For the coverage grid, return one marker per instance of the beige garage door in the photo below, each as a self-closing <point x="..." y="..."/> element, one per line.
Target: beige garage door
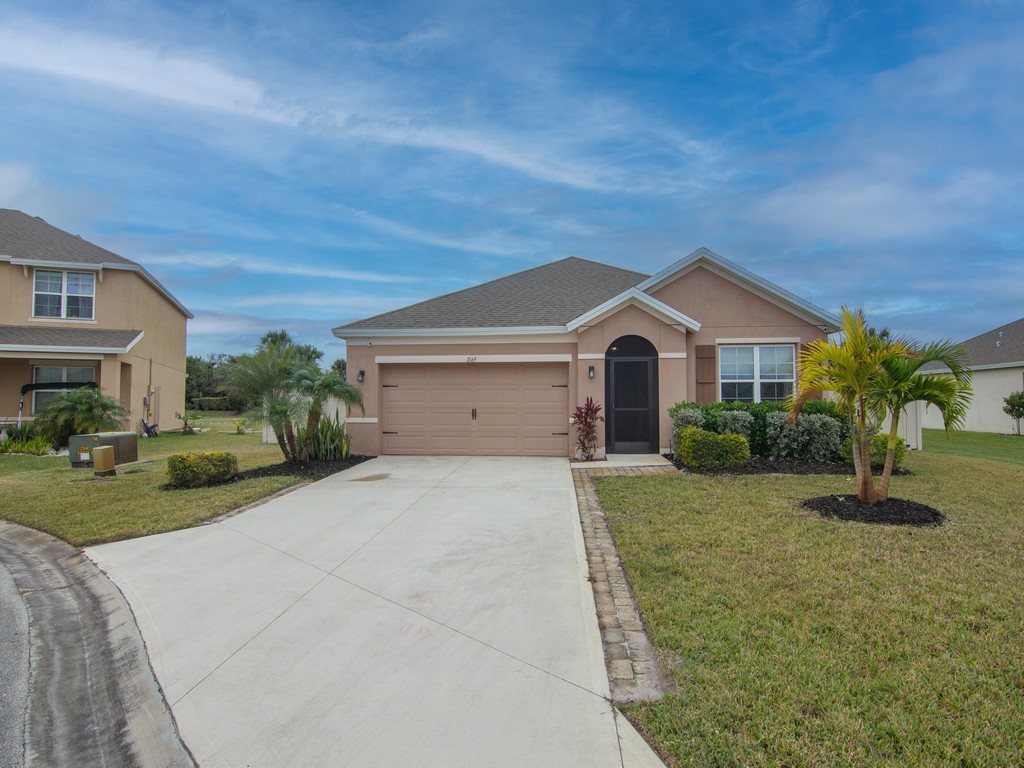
<point x="476" y="409"/>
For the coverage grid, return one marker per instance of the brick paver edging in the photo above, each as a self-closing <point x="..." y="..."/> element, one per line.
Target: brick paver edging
<point x="634" y="670"/>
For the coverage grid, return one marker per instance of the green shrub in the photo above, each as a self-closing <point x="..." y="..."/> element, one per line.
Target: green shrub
<point x="190" y="422"/>
<point x="699" y="449"/>
<point x="684" y="418"/>
<point x="79" y="412"/>
<point x="25" y="432"/>
<point x="819" y="437"/>
<point x="735" y="423"/>
<point x="210" y="403"/>
<point x="783" y="439"/>
<point x="201" y="468"/>
<point x="758" y="438"/>
<point x="878" y="446"/>
<point x="35" y="446"/>
<point x="330" y="441"/>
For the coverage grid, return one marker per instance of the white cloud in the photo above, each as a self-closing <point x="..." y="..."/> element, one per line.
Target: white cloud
<point x="262" y="266"/>
<point x="339" y="301"/>
<point x="178" y="77"/>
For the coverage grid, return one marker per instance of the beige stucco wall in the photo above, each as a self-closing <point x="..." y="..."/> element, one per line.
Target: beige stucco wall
<point x="986" y="411"/>
<point x="124" y="300"/>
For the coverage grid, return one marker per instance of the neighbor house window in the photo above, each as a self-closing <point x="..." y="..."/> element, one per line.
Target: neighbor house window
<point x="756" y="374"/>
<point x="67" y="295"/>
<point x="57" y="375"/>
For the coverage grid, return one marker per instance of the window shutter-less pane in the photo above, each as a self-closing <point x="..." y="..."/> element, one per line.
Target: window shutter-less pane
<point x="707" y="377"/>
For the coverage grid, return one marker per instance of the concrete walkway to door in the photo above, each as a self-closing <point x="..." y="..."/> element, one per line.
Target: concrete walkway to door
<point x="412" y="611"/>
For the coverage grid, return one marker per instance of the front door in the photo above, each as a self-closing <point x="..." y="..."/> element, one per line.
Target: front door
<point x="632" y="396"/>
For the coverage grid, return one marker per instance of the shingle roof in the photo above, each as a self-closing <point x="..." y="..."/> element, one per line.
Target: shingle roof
<point x="43" y="338"/>
<point x="549" y="295"/>
<point x="29" y="237"/>
<point x="1001" y="345"/>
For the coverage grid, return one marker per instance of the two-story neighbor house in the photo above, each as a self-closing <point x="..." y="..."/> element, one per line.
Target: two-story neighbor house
<point x="71" y="311"/>
<point x="497" y="368"/>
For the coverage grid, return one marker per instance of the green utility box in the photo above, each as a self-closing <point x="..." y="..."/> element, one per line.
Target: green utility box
<point x="125" y="445"/>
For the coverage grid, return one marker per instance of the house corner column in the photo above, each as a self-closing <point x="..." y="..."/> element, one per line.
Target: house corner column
<point x="671" y="390"/>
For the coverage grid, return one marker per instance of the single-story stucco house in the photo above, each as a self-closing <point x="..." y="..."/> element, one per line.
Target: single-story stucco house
<point x="73" y="312"/>
<point x="997" y="361"/>
<point x="498" y="368"/>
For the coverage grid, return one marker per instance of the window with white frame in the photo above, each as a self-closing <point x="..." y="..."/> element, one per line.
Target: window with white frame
<point x="65" y="295"/>
<point x="756" y="374"/>
<point x="57" y="375"/>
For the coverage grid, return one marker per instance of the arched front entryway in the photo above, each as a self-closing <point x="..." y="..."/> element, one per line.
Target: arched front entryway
<point x="631" y="392"/>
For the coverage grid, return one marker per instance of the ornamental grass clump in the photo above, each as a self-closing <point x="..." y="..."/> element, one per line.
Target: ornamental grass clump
<point x="699" y="449"/>
<point x="199" y="469"/>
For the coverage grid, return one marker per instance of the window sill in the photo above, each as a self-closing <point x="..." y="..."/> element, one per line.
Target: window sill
<point x="75" y="320"/>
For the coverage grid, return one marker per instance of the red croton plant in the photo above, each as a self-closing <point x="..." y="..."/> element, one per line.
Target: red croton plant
<point x="586" y="418"/>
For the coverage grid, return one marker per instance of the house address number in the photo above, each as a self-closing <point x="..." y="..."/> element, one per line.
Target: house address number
<point x="471" y="359"/>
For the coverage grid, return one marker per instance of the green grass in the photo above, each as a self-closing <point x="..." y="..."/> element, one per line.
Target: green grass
<point x="978" y="445"/>
<point x="48" y="494"/>
<point x="793" y="640"/>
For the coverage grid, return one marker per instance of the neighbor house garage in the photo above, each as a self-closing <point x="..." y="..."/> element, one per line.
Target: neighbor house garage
<point x="497" y="369"/>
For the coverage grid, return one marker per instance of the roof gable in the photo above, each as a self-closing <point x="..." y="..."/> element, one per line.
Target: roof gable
<point x="637" y="298"/>
<point x="30" y="241"/>
<point x="547" y="297"/>
<point x="745" y="278"/>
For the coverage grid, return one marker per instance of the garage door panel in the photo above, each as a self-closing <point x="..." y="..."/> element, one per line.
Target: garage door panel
<point x="518" y="409"/>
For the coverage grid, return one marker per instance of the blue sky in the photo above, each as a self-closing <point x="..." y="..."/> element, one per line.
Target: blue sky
<point x="303" y="164"/>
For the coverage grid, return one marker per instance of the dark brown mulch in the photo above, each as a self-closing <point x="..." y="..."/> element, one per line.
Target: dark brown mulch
<point x="758" y="465"/>
<point x="889" y="512"/>
<point x="307" y="470"/>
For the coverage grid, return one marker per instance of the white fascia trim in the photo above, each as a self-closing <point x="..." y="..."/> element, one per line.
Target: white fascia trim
<point x="590" y="356"/>
<point x="361" y="420"/>
<point x="986" y="367"/>
<point x="551" y="338"/>
<point x="358" y="333"/>
<point x="789" y="340"/>
<point x="391" y="359"/>
<point x="640" y="299"/>
<point x="36" y="349"/>
<point x="815" y="313"/>
<point x="672" y="355"/>
<point x="78" y="267"/>
<point x="134" y="341"/>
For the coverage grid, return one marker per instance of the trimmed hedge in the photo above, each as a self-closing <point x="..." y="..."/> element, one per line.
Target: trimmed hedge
<point x="699" y="449"/>
<point x="815" y="437"/>
<point x="683" y="418"/>
<point x="759" y="445"/>
<point x="210" y="403"/>
<point x="201" y="468"/>
<point x="735" y="423"/>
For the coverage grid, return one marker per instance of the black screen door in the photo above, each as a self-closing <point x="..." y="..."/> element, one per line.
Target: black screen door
<point x="632" y="427"/>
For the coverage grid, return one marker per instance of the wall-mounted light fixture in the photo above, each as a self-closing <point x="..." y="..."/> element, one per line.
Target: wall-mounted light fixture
<point x="361" y="376"/>
<point x="590" y="371"/>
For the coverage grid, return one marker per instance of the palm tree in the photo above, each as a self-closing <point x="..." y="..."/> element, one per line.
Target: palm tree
<point x="869" y="374"/>
<point x="264" y="378"/>
<point x="318" y="388"/>
<point x="901" y="382"/>
<point x="79" y="412"/>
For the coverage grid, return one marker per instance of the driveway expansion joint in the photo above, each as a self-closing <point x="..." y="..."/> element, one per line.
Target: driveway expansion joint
<point x="634" y="668"/>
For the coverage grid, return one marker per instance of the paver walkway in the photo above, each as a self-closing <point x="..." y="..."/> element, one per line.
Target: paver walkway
<point x="428" y="611"/>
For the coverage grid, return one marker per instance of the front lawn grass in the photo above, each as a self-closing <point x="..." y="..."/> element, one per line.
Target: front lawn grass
<point x="48" y="494"/>
<point x="794" y="640"/>
<point x="978" y="445"/>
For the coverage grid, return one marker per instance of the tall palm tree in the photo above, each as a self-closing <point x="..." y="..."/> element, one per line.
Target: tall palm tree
<point x="318" y="387"/>
<point x="264" y="378"/>
<point x="870" y="374"/>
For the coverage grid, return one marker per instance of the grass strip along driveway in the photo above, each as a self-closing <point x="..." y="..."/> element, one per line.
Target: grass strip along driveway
<point x="46" y="493"/>
<point x="795" y="640"/>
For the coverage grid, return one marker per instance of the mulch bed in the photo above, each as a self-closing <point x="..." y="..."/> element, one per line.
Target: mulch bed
<point x="889" y="512"/>
<point x="306" y="470"/>
<point x="758" y="465"/>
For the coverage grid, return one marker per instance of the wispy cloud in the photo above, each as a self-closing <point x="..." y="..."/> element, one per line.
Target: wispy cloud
<point x="241" y="263"/>
<point x="341" y="302"/>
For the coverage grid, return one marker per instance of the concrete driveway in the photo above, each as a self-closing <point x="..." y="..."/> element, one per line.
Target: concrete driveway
<point x="427" y="611"/>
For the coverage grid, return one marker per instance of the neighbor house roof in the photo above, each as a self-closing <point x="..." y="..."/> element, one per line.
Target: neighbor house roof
<point x="562" y="296"/>
<point x="20" y="338"/>
<point x="547" y="296"/>
<point x="999" y="348"/>
<point x="29" y="240"/>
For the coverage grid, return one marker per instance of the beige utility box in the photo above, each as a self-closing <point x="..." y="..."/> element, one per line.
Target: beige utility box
<point x="103" y="460"/>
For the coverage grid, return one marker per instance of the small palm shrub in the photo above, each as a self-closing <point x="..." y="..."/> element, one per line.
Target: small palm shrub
<point x="201" y="468"/>
<point x="190" y="422"/>
<point x="735" y="423"/>
<point x="699" y="449"/>
<point x="586" y="419"/>
<point x="79" y="412"/>
<point x="330" y="441"/>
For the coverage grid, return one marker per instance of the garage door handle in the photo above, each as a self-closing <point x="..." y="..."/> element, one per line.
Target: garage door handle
<point x="560" y="433"/>
<point x="474" y="413"/>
